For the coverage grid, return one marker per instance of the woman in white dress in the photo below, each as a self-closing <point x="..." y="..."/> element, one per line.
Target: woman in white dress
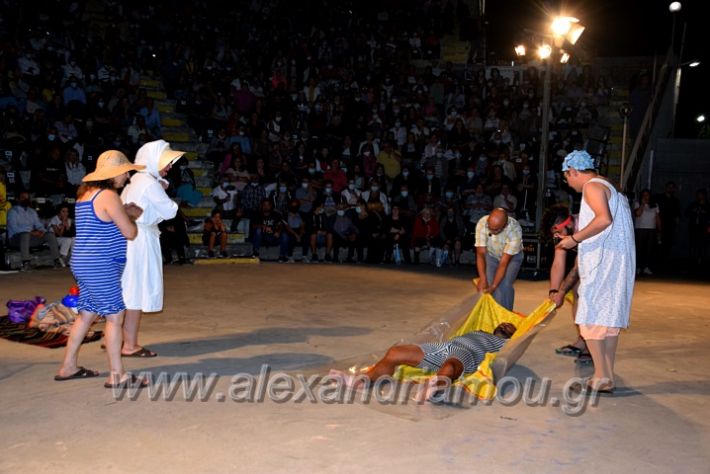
<point x="143" y="277"/>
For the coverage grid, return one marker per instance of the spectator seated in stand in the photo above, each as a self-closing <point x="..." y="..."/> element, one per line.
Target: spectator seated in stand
<point x="215" y="233"/>
<point x="62" y="225"/>
<point x="267" y="229"/>
<point x="25" y="230"/>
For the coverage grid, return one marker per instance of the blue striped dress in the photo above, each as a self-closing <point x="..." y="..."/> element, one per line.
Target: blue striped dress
<point x="98" y="259"/>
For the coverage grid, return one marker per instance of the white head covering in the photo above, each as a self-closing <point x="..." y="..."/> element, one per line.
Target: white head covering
<point x="155" y="156"/>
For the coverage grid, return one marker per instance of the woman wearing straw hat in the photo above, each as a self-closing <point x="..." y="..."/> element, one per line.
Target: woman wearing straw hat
<point x="143" y="277"/>
<point x="103" y="224"/>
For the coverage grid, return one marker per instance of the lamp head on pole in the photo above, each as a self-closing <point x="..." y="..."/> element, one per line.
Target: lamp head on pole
<point x="675" y="7"/>
<point x="544" y="51"/>
<point x="520" y="50"/>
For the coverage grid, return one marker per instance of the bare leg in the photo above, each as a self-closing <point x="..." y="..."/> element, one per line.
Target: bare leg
<point x="131" y="324"/>
<point x="451" y="369"/>
<point x="409" y="354"/>
<point x="610" y="345"/>
<point x="602" y="377"/>
<point x="78" y="332"/>
<point x="210" y="245"/>
<point x="114" y="338"/>
<point x="223" y="242"/>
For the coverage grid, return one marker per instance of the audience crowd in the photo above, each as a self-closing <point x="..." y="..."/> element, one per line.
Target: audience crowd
<point x="341" y="129"/>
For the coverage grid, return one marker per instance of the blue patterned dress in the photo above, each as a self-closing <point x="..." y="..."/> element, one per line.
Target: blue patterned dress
<point x="98" y="259"/>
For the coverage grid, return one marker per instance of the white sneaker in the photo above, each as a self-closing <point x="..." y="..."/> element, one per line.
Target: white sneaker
<point x="647" y="271"/>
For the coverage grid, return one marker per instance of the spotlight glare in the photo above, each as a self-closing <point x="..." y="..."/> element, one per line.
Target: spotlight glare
<point x="700" y="118"/>
<point x="674" y="7"/>
<point x="544" y="51"/>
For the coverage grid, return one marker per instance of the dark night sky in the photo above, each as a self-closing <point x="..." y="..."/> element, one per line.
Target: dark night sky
<point x="619" y="28"/>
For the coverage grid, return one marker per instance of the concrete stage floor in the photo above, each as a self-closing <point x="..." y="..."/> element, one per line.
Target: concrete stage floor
<point x="229" y="319"/>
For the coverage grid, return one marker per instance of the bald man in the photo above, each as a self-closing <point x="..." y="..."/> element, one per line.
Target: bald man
<point x="499" y="254"/>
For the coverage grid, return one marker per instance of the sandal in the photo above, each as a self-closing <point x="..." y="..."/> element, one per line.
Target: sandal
<point x="584" y="358"/>
<point x="82" y="373"/>
<point x="586" y="389"/>
<point x="131" y="382"/>
<point x="568" y="350"/>
<point x="142" y="352"/>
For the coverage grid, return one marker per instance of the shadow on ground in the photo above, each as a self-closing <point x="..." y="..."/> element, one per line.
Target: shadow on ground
<point x="259" y="337"/>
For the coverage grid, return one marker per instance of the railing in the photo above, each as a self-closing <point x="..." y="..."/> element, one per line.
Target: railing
<point x="635" y="159"/>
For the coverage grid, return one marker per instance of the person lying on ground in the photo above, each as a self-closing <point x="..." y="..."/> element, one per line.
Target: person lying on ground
<point x="450" y="360"/>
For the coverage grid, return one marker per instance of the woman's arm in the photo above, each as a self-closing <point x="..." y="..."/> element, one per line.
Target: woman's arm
<point x="112" y="206"/>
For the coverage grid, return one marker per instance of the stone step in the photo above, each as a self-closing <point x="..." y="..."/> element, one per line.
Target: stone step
<point x="156" y="94"/>
<point x="177" y="137"/>
<point x="198" y="212"/>
<point x="205" y="190"/>
<point x="166" y="121"/>
<point x="233" y="238"/>
<point x="204" y="181"/>
<point x="149" y="82"/>
<point x="199" y="163"/>
<point x="164" y="107"/>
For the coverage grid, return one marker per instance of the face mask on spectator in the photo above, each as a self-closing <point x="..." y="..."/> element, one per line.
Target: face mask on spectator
<point x="366" y="153"/>
<point x="405" y="173"/>
<point x="358" y="210"/>
<point x="449" y="194"/>
<point x="225" y="184"/>
<point x="254" y="184"/>
<point x="340" y="212"/>
<point x="429" y="177"/>
<point x="311" y="170"/>
<point x="328" y="190"/>
<point x="73" y="84"/>
<point x="526" y="172"/>
<point x="404" y="194"/>
<point x="304" y="185"/>
<point x="470" y="174"/>
<point x="282" y="189"/>
<point x="51" y="137"/>
<point x="375" y="188"/>
<point x="351" y="186"/>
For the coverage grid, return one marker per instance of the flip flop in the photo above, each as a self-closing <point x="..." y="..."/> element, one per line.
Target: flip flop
<point x="588" y="390"/>
<point x="568" y="350"/>
<point x="584" y="358"/>
<point x="130" y="382"/>
<point x="82" y="373"/>
<point x="142" y="352"/>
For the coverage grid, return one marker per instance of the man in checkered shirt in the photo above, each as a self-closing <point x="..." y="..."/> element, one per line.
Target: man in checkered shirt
<point x="499" y="254"/>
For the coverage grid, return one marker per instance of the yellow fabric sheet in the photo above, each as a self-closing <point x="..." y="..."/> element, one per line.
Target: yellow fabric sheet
<point x="485" y="316"/>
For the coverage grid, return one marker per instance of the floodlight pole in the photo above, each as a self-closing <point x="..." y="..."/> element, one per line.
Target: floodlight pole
<point x="541" y="176"/>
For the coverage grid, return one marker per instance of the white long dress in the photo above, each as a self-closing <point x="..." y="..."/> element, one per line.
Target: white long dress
<point x="607" y="264"/>
<point x="142" y="280"/>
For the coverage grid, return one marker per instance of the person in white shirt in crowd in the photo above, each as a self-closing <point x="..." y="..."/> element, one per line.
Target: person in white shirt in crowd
<point x="25" y="230"/>
<point x="63" y="228"/>
<point x="75" y="170"/>
<point x="647" y="228"/>
<point x="506" y="200"/>
<point x="225" y="197"/>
